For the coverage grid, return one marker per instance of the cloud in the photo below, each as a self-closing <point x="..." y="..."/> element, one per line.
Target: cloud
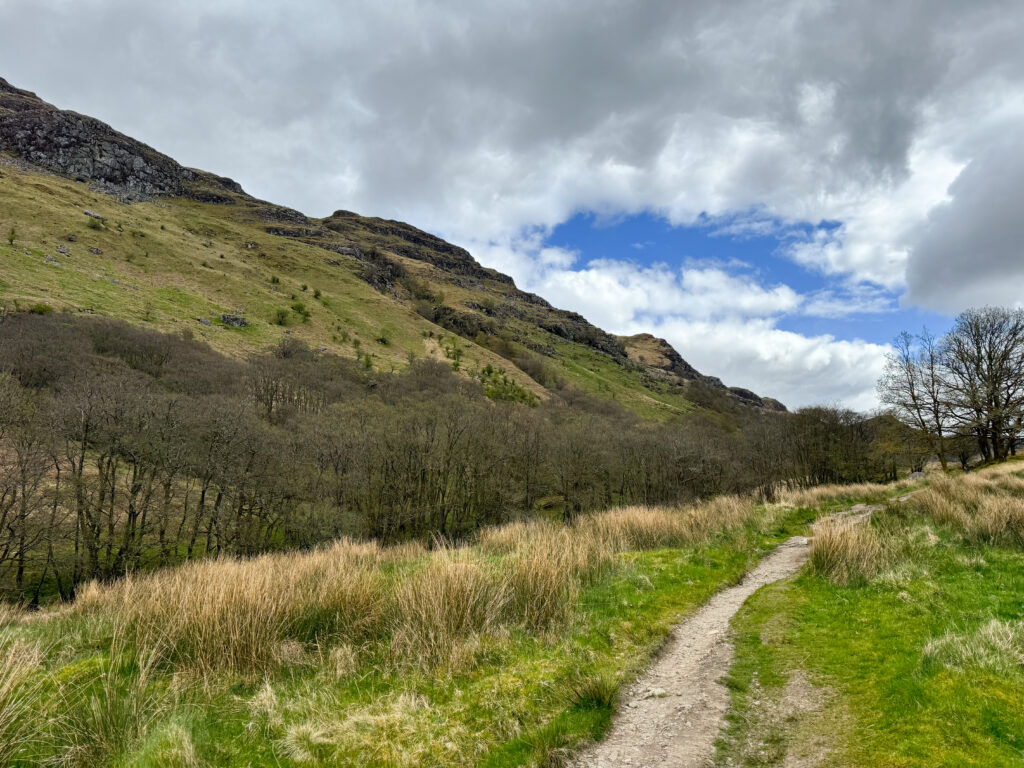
<point x="721" y="322"/>
<point x="791" y="367"/>
<point x="970" y="250"/>
<point x="490" y="122"/>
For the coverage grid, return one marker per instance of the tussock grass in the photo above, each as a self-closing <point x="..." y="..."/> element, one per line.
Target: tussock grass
<point x="455" y="598"/>
<point x="424" y="608"/>
<point x="997" y="646"/>
<point x="1000" y="521"/>
<point x="985" y="507"/>
<point x="828" y="494"/>
<point x="845" y="552"/>
<point x="19" y="683"/>
<point x="237" y="614"/>
<point x="9" y="615"/>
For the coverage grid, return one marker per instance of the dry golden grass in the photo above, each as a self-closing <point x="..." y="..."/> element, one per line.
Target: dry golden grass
<point x="845" y="552"/>
<point x="426" y="608"/>
<point x="985" y="506"/>
<point x="825" y="494"/>
<point x="237" y="614"/>
<point x="19" y="663"/>
<point x="1000" y="520"/>
<point x="9" y="614"/>
<point x="456" y="597"/>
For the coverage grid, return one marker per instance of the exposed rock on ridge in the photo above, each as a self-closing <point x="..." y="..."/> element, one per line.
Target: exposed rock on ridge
<point x="661" y="360"/>
<point x="87" y="149"/>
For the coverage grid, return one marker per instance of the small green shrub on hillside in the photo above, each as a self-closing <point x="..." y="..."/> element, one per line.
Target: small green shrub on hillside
<point x="11" y="236"/>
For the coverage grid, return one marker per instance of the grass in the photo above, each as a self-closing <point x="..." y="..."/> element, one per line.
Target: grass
<point x="507" y="651"/>
<point x="904" y="633"/>
<point x="845" y="552"/>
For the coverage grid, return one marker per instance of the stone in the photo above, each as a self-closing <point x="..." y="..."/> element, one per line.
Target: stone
<point x="93" y="215"/>
<point x="96" y="251"/>
<point x="202" y="320"/>
<point x="235" y="321"/>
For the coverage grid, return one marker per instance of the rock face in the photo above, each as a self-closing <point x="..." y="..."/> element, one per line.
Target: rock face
<point x="406" y="240"/>
<point x="87" y="149"/>
<point x="661" y="360"/>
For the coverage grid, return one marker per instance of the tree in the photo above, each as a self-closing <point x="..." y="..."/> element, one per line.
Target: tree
<point x="913" y="386"/>
<point x="983" y="358"/>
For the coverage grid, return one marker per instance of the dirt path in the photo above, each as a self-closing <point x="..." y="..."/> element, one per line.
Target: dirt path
<point x="671" y="716"/>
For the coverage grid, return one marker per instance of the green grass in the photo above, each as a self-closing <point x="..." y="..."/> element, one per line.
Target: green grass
<point x="877" y="696"/>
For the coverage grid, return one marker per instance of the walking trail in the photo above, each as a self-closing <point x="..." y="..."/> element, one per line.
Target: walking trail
<point x="671" y="716"/>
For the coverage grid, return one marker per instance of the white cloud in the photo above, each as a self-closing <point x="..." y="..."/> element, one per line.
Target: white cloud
<point x="721" y="322"/>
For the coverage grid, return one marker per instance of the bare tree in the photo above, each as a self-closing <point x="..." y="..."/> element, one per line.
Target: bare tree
<point x="983" y="356"/>
<point x="913" y="386"/>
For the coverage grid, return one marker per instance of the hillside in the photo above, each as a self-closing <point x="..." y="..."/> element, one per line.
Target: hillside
<point x="101" y="223"/>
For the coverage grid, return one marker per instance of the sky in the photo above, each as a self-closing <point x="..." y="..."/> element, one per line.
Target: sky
<point x="777" y="187"/>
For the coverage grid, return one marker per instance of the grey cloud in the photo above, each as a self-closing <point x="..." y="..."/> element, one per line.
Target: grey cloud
<point x="394" y="96"/>
<point x="970" y="251"/>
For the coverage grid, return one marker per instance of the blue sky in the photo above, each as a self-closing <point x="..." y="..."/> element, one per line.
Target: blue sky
<point x="647" y="239"/>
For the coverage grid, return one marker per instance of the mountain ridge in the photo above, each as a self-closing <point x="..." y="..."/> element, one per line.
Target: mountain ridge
<point x="440" y="281"/>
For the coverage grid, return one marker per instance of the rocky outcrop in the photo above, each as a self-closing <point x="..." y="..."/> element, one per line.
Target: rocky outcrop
<point x="660" y="359"/>
<point x="88" y="149"/>
<point x="412" y="243"/>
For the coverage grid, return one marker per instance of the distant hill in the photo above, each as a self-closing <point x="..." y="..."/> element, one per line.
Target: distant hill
<point x="102" y="223"/>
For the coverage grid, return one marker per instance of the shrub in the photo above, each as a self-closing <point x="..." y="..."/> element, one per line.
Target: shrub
<point x="11" y="236"/>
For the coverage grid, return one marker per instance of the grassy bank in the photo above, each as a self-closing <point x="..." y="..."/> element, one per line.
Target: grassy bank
<point x="900" y="645"/>
<point x="506" y="652"/>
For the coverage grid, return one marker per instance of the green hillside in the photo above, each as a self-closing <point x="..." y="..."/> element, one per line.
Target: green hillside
<point x="181" y="250"/>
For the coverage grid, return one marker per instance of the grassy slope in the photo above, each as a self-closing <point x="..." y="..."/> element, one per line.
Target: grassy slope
<point x="856" y="656"/>
<point x="166" y="263"/>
